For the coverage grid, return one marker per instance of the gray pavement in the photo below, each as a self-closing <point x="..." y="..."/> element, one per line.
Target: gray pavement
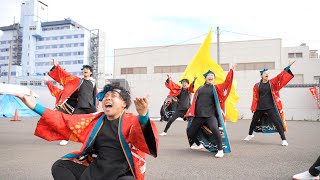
<point x="27" y="157"/>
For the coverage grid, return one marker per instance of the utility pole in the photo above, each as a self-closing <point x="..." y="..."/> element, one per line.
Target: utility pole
<point x="10" y="53"/>
<point x="218" y="45"/>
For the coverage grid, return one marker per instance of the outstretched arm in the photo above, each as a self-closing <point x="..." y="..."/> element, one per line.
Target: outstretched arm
<point x="225" y="87"/>
<point x="144" y="135"/>
<point x="54" y="90"/>
<point x="60" y="75"/>
<point x="191" y="87"/>
<point x="283" y="78"/>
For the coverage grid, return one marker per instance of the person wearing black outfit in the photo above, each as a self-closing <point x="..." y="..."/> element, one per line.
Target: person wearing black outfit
<point x="205" y="111"/>
<point x="80" y="96"/>
<point x="114" y="143"/>
<point x="266" y="102"/>
<point x="184" y="99"/>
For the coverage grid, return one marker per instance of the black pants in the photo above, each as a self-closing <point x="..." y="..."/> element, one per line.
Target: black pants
<point x="271" y="116"/>
<point x="179" y="113"/>
<point x="313" y="171"/>
<point x="211" y="123"/>
<point x="68" y="170"/>
<point x="84" y="110"/>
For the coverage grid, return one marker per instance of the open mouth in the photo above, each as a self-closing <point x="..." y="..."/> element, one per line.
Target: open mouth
<point x="108" y="106"/>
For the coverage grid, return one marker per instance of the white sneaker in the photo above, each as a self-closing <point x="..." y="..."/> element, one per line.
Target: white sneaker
<point x="305" y="175"/>
<point x="249" y="137"/>
<point x="284" y="143"/>
<point x="196" y="147"/>
<point x="63" y="142"/>
<point x="163" y="134"/>
<point x="219" y="154"/>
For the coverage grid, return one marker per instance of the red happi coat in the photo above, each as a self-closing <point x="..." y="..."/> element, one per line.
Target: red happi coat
<point x="222" y="90"/>
<point x="83" y="128"/>
<point x="175" y="89"/>
<point x="276" y="84"/>
<point x="55" y="91"/>
<point x="69" y="82"/>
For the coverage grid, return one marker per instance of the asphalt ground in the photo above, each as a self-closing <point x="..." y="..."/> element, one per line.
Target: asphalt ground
<point x="27" y="157"/>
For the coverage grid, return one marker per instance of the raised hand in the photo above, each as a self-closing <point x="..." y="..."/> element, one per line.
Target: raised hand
<point x="291" y="62"/>
<point x="55" y="62"/>
<point x="195" y="78"/>
<point x="142" y="105"/>
<point x="233" y="66"/>
<point x="168" y="75"/>
<point x="30" y="100"/>
<point x="46" y="78"/>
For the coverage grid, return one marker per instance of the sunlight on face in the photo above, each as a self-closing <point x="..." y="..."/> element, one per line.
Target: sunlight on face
<point x="113" y="105"/>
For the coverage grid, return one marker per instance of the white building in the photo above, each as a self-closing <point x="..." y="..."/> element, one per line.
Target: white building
<point x="31" y="45"/>
<point x="146" y="70"/>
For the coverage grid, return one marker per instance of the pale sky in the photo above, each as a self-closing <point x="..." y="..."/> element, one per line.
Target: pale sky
<point x="151" y="23"/>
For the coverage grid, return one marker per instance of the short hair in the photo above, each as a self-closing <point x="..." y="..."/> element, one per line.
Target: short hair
<point x="125" y="94"/>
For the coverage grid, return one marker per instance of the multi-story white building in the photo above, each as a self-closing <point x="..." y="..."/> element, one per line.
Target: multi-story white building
<point x="146" y="70"/>
<point x="27" y="48"/>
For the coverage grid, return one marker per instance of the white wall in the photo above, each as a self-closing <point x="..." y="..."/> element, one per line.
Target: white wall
<point x="231" y="52"/>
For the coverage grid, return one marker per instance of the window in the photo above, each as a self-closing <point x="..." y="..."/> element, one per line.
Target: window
<point x="23" y="83"/>
<point x="316" y="79"/>
<point x="298" y="55"/>
<point x="67" y="54"/>
<point x="169" y="69"/>
<point x="255" y="66"/>
<point x="81" y="35"/>
<point x="35" y="83"/>
<point x="75" y="36"/>
<point x="67" y="62"/>
<point x="134" y="70"/>
<point x="55" y="46"/>
<point x="295" y="55"/>
<point x="60" y="54"/>
<point x="81" y="44"/>
<point x="68" y="45"/>
<point x="55" y="38"/>
<point x="225" y="67"/>
<point x="69" y="36"/>
<point x="54" y="54"/>
<point x="61" y="45"/>
<point x="298" y="79"/>
<point x="75" y="45"/>
<point x="61" y="37"/>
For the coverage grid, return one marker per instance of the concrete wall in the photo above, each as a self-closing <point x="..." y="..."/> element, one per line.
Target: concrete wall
<point x="231" y="52"/>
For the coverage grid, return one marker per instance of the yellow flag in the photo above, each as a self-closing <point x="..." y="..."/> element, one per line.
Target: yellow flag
<point x="200" y="64"/>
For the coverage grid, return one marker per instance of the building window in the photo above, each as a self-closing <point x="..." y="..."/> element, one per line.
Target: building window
<point x="225" y="67"/>
<point x="298" y="79"/>
<point x="75" y="36"/>
<point x="81" y="44"/>
<point x="170" y="69"/>
<point x="299" y="55"/>
<point x="61" y="45"/>
<point x="316" y="79"/>
<point x="61" y="37"/>
<point x="134" y="70"/>
<point x="69" y="36"/>
<point x="23" y="83"/>
<point x="255" y="66"/>
<point x="55" y="38"/>
<point x="81" y="35"/>
<point x="295" y="55"/>
<point x="68" y="45"/>
<point x="75" y="45"/>
<point x="35" y="83"/>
